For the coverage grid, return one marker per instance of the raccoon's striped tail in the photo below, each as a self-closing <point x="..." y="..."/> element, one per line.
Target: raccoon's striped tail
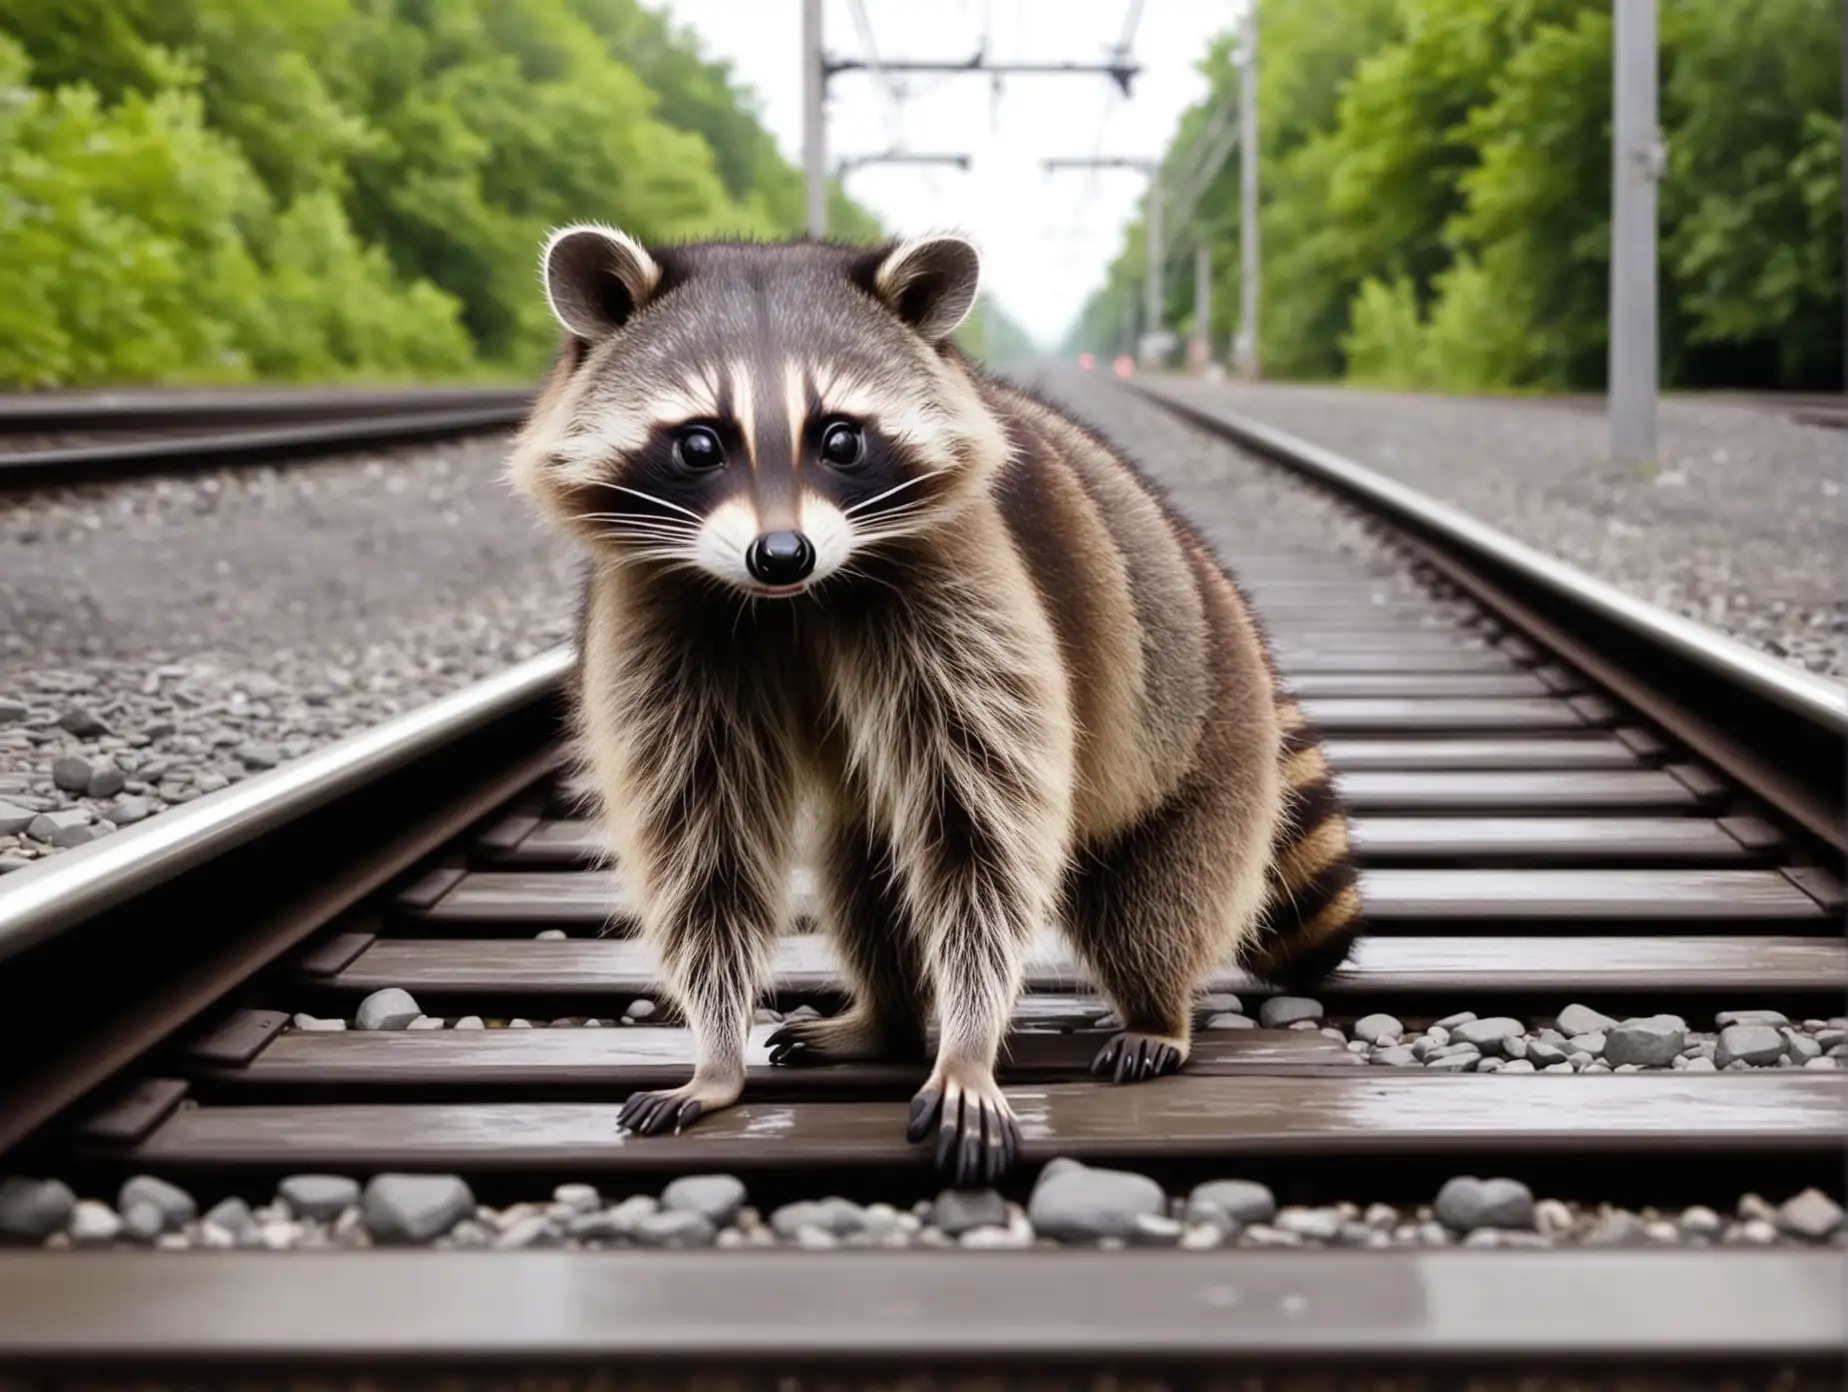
<point x="1312" y="915"/>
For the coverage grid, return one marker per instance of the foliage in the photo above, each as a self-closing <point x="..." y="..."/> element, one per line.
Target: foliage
<point x="990" y="335"/>
<point x="1436" y="184"/>
<point x="323" y="188"/>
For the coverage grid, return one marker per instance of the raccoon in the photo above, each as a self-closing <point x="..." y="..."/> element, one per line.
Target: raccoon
<point x="840" y="578"/>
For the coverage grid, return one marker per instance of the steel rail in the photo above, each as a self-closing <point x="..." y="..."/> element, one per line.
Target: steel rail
<point x="43" y="899"/>
<point x="84" y="463"/>
<point x="1817" y="699"/>
<point x="167" y="408"/>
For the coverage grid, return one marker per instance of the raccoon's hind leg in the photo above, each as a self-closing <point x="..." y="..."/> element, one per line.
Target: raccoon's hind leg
<point x="1153" y="909"/>
<point x="865" y="915"/>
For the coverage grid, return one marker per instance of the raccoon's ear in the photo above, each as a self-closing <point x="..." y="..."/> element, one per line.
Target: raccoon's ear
<point x="595" y="278"/>
<point x="929" y="282"/>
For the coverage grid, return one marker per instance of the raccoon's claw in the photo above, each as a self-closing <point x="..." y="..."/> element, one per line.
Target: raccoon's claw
<point x="1129" y="1057"/>
<point x="651" y="1113"/>
<point x="978" y="1137"/>
<point x="788" y="1045"/>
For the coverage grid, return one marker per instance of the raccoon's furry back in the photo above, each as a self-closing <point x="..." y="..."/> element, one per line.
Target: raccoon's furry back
<point x="1312" y="913"/>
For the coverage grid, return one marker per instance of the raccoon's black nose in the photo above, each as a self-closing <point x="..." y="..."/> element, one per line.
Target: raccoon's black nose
<point x="780" y="558"/>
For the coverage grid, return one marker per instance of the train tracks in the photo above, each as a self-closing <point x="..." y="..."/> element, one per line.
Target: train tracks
<point x="1563" y="799"/>
<point x="56" y="439"/>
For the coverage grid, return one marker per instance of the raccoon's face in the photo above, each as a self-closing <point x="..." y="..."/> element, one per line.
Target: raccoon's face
<point x="762" y="414"/>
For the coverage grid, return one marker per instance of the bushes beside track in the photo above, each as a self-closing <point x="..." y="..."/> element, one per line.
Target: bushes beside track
<point x="1436" y="187"/>
<point x="228" y="190"/>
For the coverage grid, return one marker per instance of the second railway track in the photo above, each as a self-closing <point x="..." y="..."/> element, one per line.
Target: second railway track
<point x="1550" y="812"/>
<point x="59" y="439"/>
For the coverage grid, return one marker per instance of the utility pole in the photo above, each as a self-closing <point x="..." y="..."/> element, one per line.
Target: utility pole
<point x="1200" y="350"/>
<point x="1637" y="161"/>
<point x="1247" y="351"/>
<point x="814" y="119"/>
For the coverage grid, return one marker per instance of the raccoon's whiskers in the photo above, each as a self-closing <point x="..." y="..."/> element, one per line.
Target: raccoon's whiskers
<point x="658" y="502"/>
<point x="896" y="488"/>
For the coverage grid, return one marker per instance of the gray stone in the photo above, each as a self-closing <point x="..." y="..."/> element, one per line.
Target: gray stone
<point x="1460" y="1049"/>
<point x="1590" y="1045"/>
<point x="141" y="1222"/>
<point x="716" y="1197"/>
<point x="1520" y="1065"/>
<point x="1800" y="1047"/>
<point x="1582" y="1019"/>
<point x="1323" y="1224"/>
<point x="640" y="1009"/>
<point x="234" y="1217"/>
<point x="257" y="755"/>
<point x="1455" y="1063"/>
<point x="1450" y="1022"/>
<point x="1398" y="1056"/>
<point x="675" y="1228"/>
<point x="389" y="1009"/>
<point x="94" y="1224"/>
<point x="956" y="1211"/>
<point x="1244" y="1200"/>
<point x="55" y="828"/>
<point x="1280" y="1011"/>
<point x="1229" y="1021"/>
<point x="1378" y="1029"/>
<point x="1466" y="1203"/>
<point x="1156" y="1230"/>
<point x="14" y="818"/>
<point x="414" y="1207"/>
<point x="33" y="1209"/>
<point x="1058" y="1165"/>
<point x="1087" y="1204"/>
<point x="83" y="723"/>
<point x="1749" y="1017"/>
<point x="318" y="1196"/>
<point x="175" y="1206"/>
<point x="1755" y="1044"/>
<point x="1701" y="1065"/>
<point x="1652" y="1042"/>
<point x="1219" y="1003"/>
<point x="106" y="782"/>
<point x="71" y="772"/>
<point x="1812" y="1215"/>
<point x="577" y="1198"/>
<point x="1616" y="1228"/>
<point x="1698" y="1220"/>
<point x="530" y="1232"/>
<point x="11" y="710"/>
<point x="1204" y="1213"/>
<point x="836" y="1217"/>
<point x="130" y="810"/>
<point x="1487" y="1034"/>
<point x="313" y="1023"/>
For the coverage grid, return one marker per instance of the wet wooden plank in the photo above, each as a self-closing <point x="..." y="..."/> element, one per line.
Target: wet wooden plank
<point x="1600" y="965"/>
<point x="1564" y="1317"/>
<point x="1294" y="662"/>
<point x="1637" y="791"/>
<point x="1462" y="715"/>
<point x="1370" y="1112"/>
<point x="1587" y="750"/>
<point x="1378" y="840"/>
<point x="634" y="1057"/>
<point x="587" y="899"/>
<point x="1419" y="685"/>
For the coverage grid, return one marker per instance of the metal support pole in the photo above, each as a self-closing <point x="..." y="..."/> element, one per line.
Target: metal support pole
<point x="1201" y="348"/>
<point x="814" y="120"/>
<point x="1248" y="197"/>
<point x="1636" y="165"/>
<point x="1151" y="314"/>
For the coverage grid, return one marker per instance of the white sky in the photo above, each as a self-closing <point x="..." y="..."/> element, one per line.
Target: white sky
<point x="1045" y="238"/>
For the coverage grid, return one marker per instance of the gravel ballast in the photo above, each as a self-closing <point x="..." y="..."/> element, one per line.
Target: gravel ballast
<point x="164" y="638"/>
<point x="1738" y="523"/>
<point x="1071" y="1205"/>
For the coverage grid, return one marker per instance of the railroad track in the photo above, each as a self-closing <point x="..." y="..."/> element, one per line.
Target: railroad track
<point x="55" y="439"/>
<point x="1563" y="798"/>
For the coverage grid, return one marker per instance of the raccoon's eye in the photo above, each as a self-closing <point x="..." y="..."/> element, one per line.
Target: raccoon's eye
<point x="842" y="445"/>
<point x="698" y="448"/>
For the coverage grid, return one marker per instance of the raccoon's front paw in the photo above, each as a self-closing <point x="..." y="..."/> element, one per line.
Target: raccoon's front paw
<point x="651" y="1113"/>
<point x="1131" y="1056"/>
<point x="852" y="1036"/>
<point x="978" y="1136"/>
